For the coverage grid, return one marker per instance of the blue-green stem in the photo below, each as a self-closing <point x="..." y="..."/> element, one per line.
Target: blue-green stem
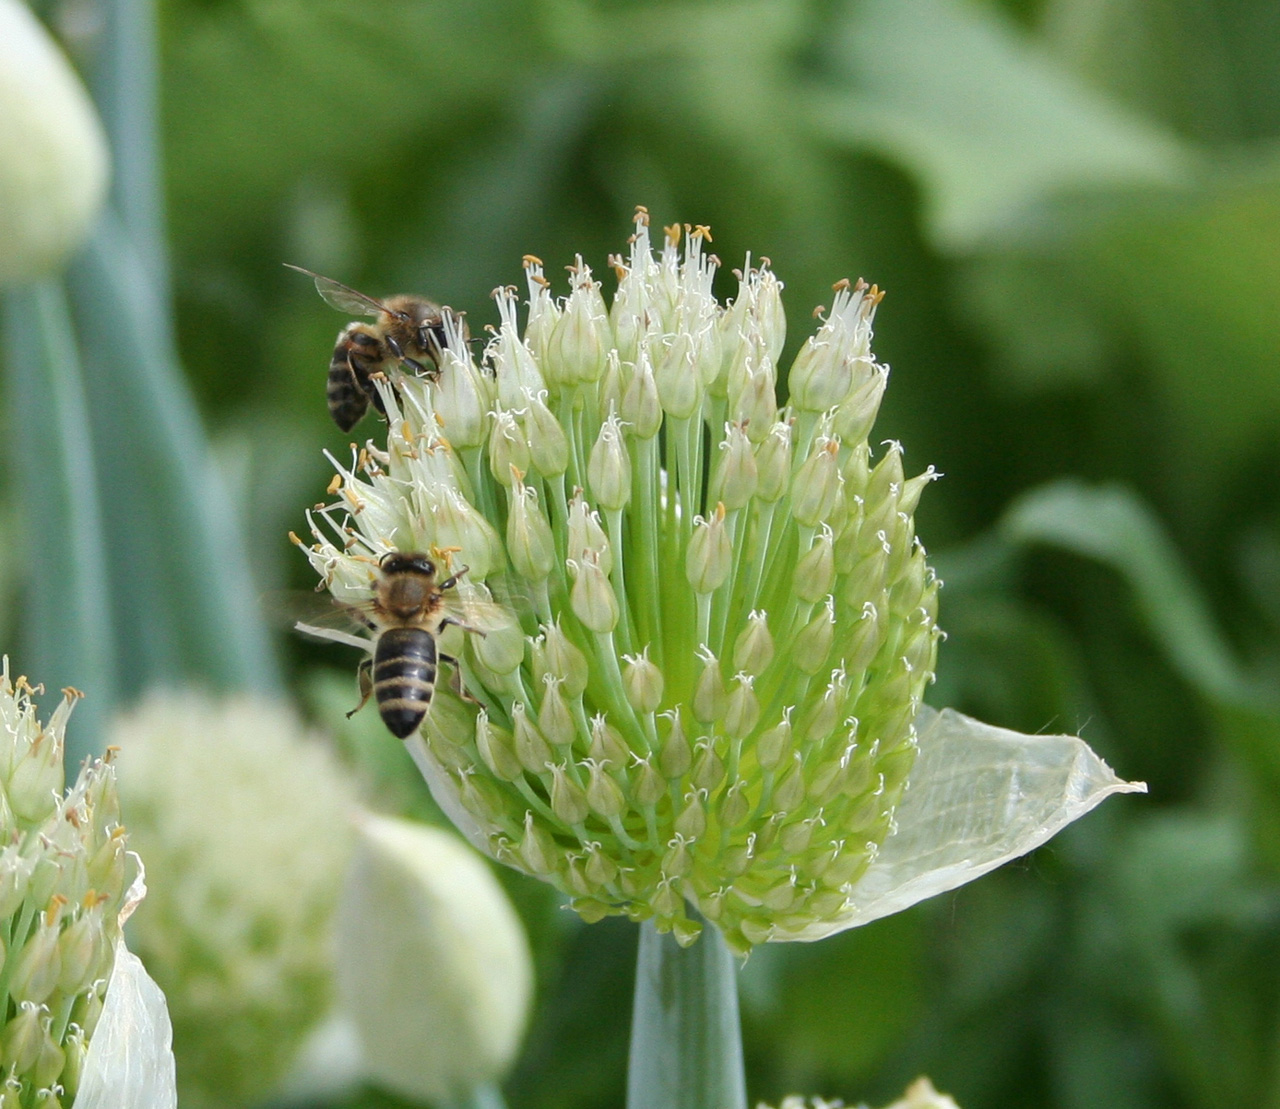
<point x="487" y="1096"/>
<point x="68" y="634"/>
<point x="686" y="1036"/>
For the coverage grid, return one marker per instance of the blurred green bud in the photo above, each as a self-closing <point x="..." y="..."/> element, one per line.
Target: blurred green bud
<point x="643" y="682"/>
<point x="433" y="966"/>
<point x="53" y="180"/>
<point x="710" y="556"/>
<point x="609" y="468"/>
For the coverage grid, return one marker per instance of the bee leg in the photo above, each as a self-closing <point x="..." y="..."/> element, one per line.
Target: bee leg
<point x="455" y="682"/>
<point x="465" y="627"/>
<point x="449" y="583"/>
<point x="364" y="675"/>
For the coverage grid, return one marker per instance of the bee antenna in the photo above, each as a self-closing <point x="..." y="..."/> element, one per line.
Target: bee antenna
<point x="454" y="580"/>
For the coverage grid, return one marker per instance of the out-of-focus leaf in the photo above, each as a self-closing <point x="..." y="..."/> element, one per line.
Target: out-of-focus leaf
<point x="62" y="546"/>
<point x="992" y="124"/>
<point x="1207" y="67"/>
<point x="1110" y="524"/>
<point x="182" y="592"/>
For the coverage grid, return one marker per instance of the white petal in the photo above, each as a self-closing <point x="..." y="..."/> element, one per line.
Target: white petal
<point x="977" y="797"/>
<point x="130" y="1060"/>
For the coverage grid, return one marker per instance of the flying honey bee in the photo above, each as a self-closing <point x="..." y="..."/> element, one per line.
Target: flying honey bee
<point x="407" y="612"/>
<point x="407" y="330"/>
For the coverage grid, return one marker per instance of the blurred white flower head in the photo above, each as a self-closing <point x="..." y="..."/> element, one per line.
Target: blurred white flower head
<point x="243" y="817"/>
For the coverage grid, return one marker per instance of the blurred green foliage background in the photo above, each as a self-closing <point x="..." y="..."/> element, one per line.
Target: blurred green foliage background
<point x="1075" y="208"/>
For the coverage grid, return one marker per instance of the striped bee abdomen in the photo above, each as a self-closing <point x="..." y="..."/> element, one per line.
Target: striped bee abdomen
<point x="404" y="677"/>
<point x="349" y="389"/>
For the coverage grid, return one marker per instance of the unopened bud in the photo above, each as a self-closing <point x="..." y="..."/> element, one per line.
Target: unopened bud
<point x="459" y="401"/>
<point x="531" y="749"/>
<point x="554" y="718"/>
<point x="582" y="335"/>
<point x="816" y="569"/>
<point x="497" y="749"/>
<point x="642" y="681"/>
<point x="568" y="801"/>
<point x="641" y="406"/>
<point x="508" y="447"/>
<point x="679" y="386"/>
<point x="735" y="478"/>
<point x="774" y="745"/>
<point x="753" y="649"/>
<point x="529" y="541"/>
<point x="816" y="485"/>
<point x="856" y="414"/>
<point x="676" y="756"/>
<point x="812" y="646"/>
<point x="709" y="557"/>
<point x="592" y="596"/>
<point x="548" y="447"/>
<point x="603" y="794"/>
<point x="564" y="659"/>
<point x="586" y="534"/>
<point x="609" y="468"/>
<point x="773" y="464"/>
<point x="501" y="648"/>
<point x="709" y="700"/>
<point x="742" y="709"/>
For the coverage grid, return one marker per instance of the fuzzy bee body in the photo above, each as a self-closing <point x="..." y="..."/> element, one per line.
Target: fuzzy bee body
<point x="407" y="331"/>
<point x="404" y="678"/>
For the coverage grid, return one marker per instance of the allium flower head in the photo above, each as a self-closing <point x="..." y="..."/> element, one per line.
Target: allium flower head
<point x="242" y="817"/>
<point x="721" y="619"/>
<point x="65" y="882"/>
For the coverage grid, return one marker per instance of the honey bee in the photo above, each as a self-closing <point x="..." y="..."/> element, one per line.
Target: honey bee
<point x="407" y="330"/>
<point x="408" y="611"/>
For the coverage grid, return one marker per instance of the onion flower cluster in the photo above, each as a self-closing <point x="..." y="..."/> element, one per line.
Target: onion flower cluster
<point x="717" y="622"/>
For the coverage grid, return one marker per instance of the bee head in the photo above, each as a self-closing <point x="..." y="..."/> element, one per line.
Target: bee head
<point x="401" y="562"/>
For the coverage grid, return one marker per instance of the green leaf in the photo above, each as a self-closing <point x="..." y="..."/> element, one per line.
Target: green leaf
<point x="182" y="592"/>
<point x="1110" y="524"/>
<point x="62" y="550"/>
<point x="990" y="123"/>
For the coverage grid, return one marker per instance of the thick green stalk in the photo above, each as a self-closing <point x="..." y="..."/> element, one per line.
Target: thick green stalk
<point x="686" y="1037"/>
<point x="68" y="635"/>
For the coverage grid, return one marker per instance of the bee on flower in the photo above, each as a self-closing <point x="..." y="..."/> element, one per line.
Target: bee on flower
<point x="707" y="696"/>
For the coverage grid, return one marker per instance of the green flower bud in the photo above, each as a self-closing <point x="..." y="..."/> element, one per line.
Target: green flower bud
<point x="605" y="799"/>
<point x="709" y="701"/>
<point x="641" y="406"/>
<point x="734" y="480"/>
<point x="774" y="745"/>
<point x="586" y="535"/>
<point x="508" y="448"/>
<point x="564" y="660"/>
<point x="592" y="596"/>
<point x="529" y="542"/>
<point x="531" y="749"/>
<point x="812" y="646"/>
<point x="497" y="748"/>
<point x="816" y="570"/>
<point x="773" y="464"/>
<point x="609" y="469"/>
<point x="753" y="649"/>
<point x="568" y="801"/>
<point x="816" y="486"/>
<point x="581" y="338"/>
<point x="679" y="386"/>
<point x="643" y="682"/>
<point x="554" y="718"/>
<point x="742" y="709"/>
<point x="676" y="756"/>
<point x="515" y="369"/>
<point x="548" y="447"/>
<point x="710" y="557"/>
<point x="857" y="412"/>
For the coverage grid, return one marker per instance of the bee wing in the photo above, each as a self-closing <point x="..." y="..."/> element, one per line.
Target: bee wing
<point x="343" y="297"/>
<point x="321" y="617"/>
<point x="475" y="608"/>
